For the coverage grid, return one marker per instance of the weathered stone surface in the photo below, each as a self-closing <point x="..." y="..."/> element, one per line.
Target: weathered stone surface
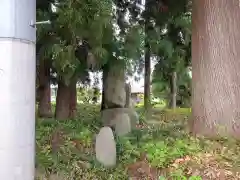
<point x="109" y="116"/>
<point x="128" y="95"/>
<point x="123" y="124"/>
<point x="132" y="104"/>
<point x="133" y="114"/>
<point x="134" y="117"/>
<point x="114" y="90"/>
<point x="105" y="147"/>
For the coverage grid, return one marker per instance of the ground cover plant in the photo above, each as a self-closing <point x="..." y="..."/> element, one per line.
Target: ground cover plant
<point x="159" y="149"/>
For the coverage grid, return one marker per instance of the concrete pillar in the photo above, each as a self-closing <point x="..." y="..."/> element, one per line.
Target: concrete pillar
<point x="17" y="89"/>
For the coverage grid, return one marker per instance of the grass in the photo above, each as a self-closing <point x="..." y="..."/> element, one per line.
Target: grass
<point x="159" y="150"/>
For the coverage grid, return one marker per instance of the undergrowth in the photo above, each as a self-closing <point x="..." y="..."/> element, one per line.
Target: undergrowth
<point x="66" y="149"/>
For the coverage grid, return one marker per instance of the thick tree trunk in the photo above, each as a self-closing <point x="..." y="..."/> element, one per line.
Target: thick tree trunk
<point x="147" y="79"/>
<point x="73" y="101"/>
<point x="216" y="68"/>
<point x="104" y="81"/>
<point x="63" y="102"/>
<point x="174" y="90"/>
<point x="44" y="90"/>
<point x="44" y="108"/>
<point x="102" y="102"/>
<point x="128" y="95"/>
<point x="147" y="64"/>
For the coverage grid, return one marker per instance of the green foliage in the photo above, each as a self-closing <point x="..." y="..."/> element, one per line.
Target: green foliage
<point x="64" y="61"/>
<point x="163" y="11"/>
<point x="68" y="146"/>
<point x="173" y="53"/>
<point x="95" y="22"/>
<point x="161" y="85"/>
<point x="161" y="154"/>
<point x="87" y="95"/>
<point x="72" y="23"/>
<point x="134" y="42"/>
<point x="82" y="18"/>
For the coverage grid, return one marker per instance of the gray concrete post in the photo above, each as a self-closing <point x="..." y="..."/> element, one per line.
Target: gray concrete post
<point x="17" y="89"/>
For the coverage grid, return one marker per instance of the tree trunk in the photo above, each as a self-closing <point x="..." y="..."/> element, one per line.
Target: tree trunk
<point x="128" y="95"/>
<point x="147" y="81"/>
<point x="44" y="90"/>
<point x="73" y="101"/>
<point x="104" y="81"/>
<point x="147" y="74"/>
<point x="63" y="101"/>
<point x="174" y="90"/>
<point x="102" y="102"/>
<point x="216" y="68"/>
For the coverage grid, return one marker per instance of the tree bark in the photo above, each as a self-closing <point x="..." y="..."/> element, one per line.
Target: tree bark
<point x="174" y="90"/>
<point x="63" y="101"/>
<point x="104" y="81"/>
<point x="128" y="95"/>
<point x="44" y="90"/>
<point x="147" y="64"/>
<point x="147" y="81"/>
<point x="73" y="101"/>
<point x="216" y="68"/>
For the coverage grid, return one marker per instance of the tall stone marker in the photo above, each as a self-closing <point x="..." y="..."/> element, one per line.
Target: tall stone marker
<point x="105" y="147"/>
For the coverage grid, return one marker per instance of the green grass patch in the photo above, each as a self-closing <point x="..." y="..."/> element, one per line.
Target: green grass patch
<point x="165" y="149"/>
<point x="178" y="110"/>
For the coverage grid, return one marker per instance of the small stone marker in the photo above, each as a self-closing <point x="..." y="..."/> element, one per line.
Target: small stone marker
<point x="105" y="147"/>
<point x="123" y="124"/>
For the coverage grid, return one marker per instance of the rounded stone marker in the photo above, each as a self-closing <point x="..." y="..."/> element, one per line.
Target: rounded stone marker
<point x="123" y="124"/>
<point x="105" y="147"/>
